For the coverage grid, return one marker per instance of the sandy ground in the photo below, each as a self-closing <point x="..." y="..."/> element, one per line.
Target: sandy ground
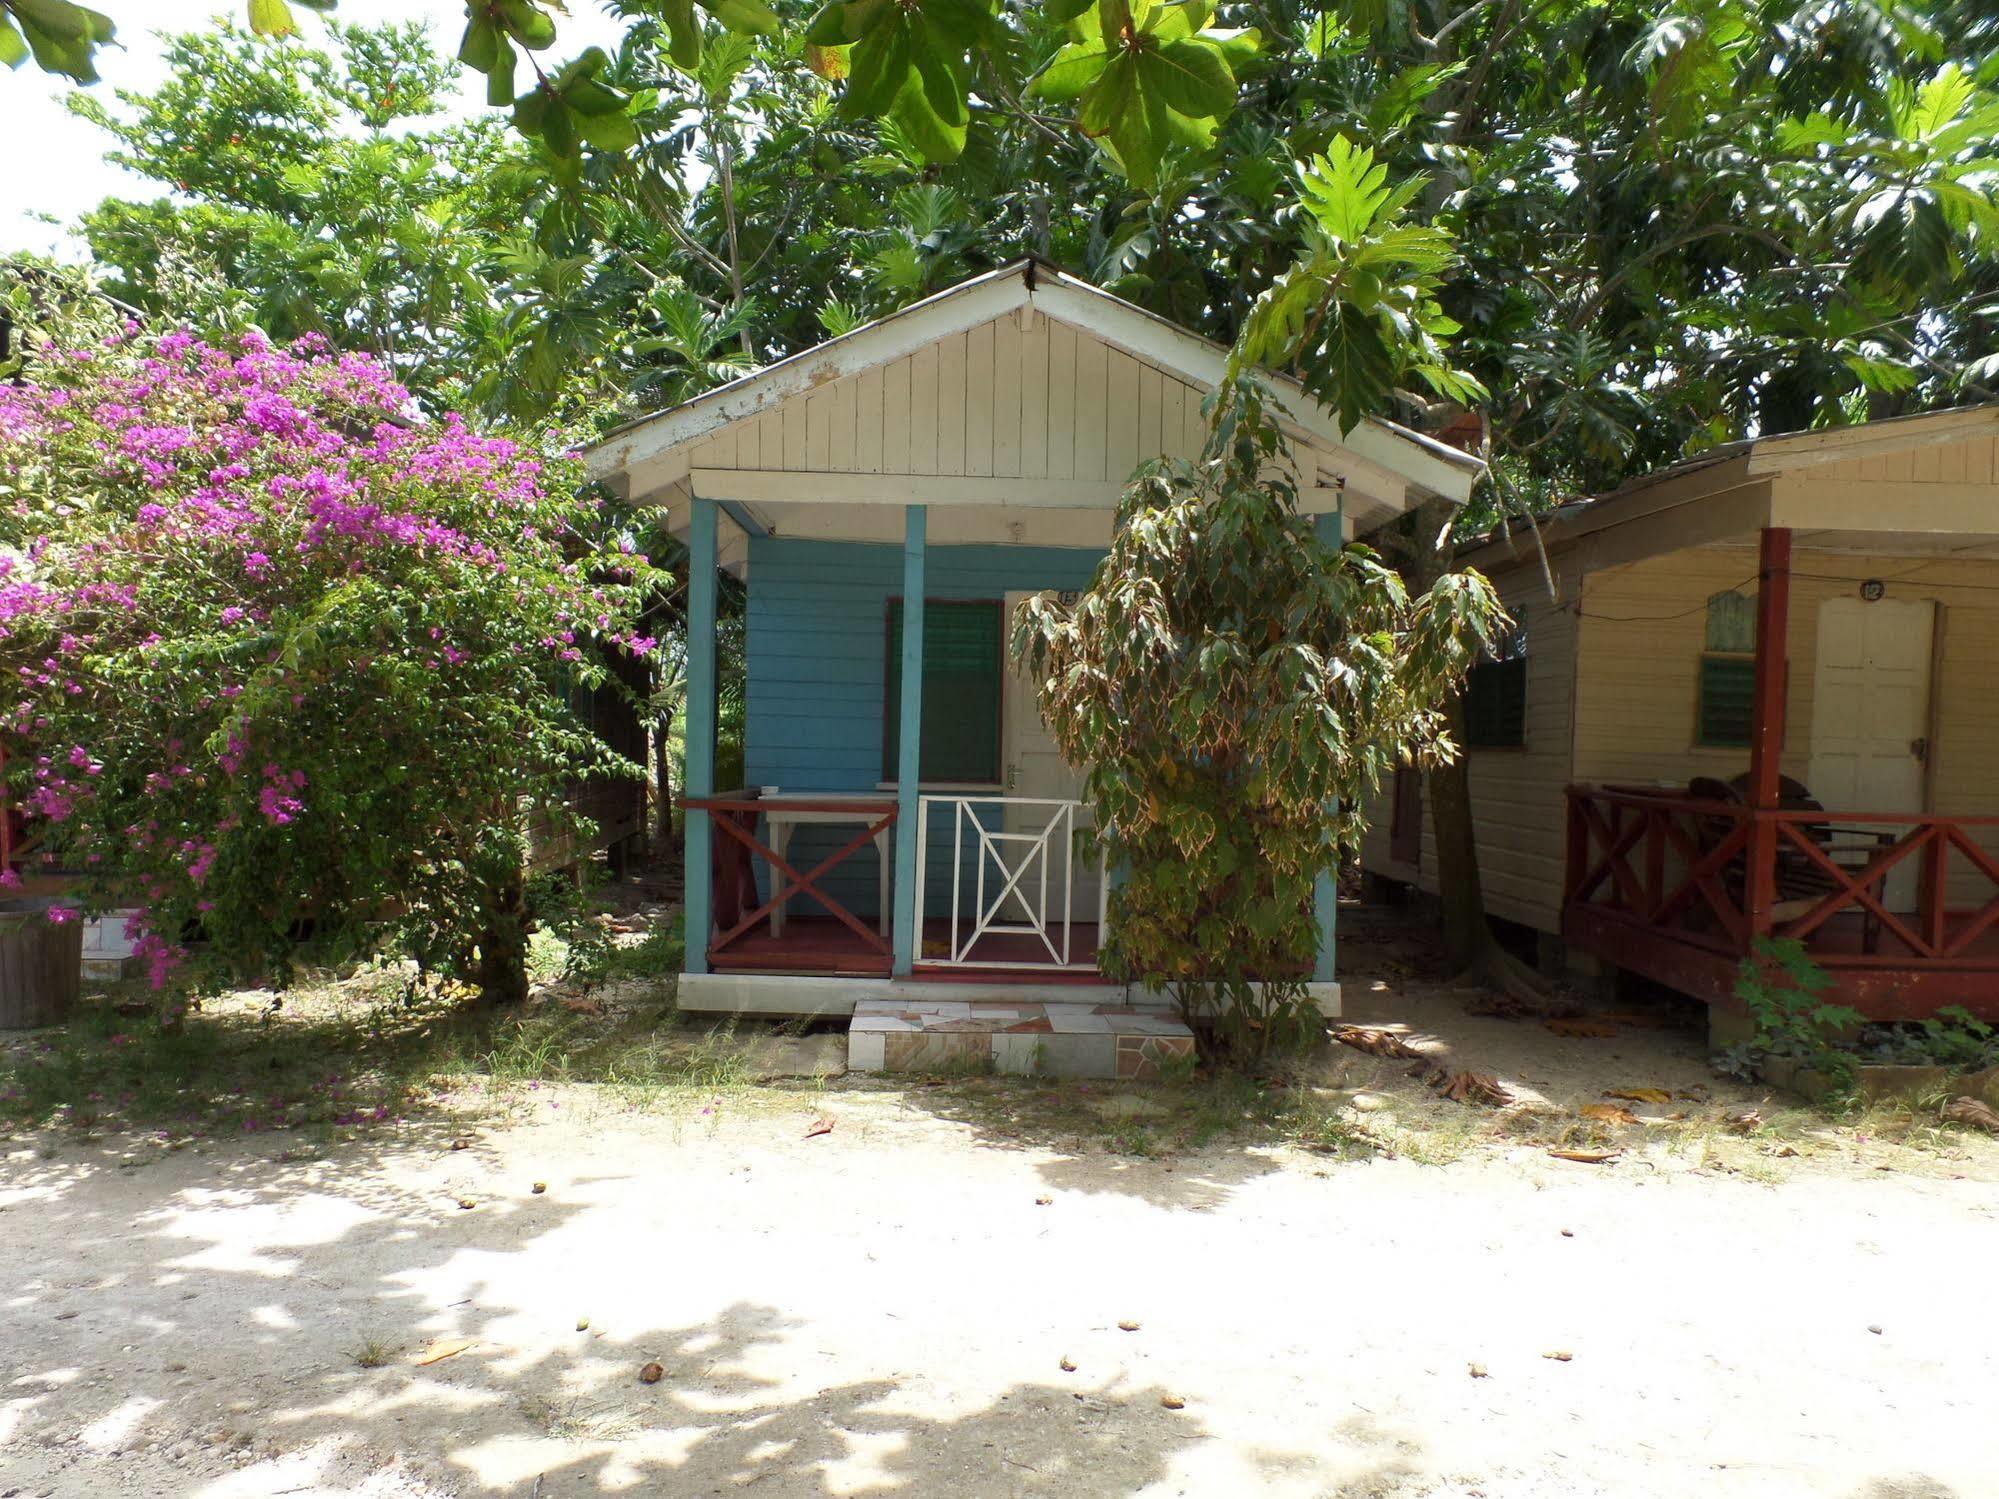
<point x="886" y="1309"/>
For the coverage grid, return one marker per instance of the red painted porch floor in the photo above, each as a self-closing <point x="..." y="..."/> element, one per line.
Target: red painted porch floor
<point x="821" y="945"/>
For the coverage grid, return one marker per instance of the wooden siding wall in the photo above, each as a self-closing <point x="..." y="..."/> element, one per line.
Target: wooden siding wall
<point x="1638" y="677"/>
<point x="815" y="638"/>
<point x="1516" y="793"/>
<point x="992" y="402"/>
<point x="1974" y="460"/>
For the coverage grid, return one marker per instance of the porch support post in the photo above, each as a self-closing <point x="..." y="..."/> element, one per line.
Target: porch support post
<point x="1766" y="728"/>
<point x="697" y="877"/>
<point x="1325" y="885"/>
<point x="909" y="740"/>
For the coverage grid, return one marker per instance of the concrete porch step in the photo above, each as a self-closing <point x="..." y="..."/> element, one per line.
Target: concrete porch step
<point x="1024" y="1037"/>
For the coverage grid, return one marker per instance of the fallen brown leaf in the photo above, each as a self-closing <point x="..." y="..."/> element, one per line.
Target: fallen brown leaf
<point x="578" y="1004"/>
<point x="818" y="1127"/>
<point x="468" y="1203"/>
<point x="1067" y="1365"/>
<point x="1640" y="1095"/>
<point x="1970" y="1111"/>
<point x="1582" y="1029"/>
<point x="463" y="1142"/>
<point x="1127" y="1326"/>
<point x="1042" y="1202"/>
<point x="1477" y="1371"/>
<point x="652" y="1373"/>
<point x="1374" y="1041"/>
<point x="439" y="1349"/>
<point x="538" y="1188"/>
<point x="1607" y="1113"/>
<point x="1745" y="1122"/>
<point x="1559" y="1355"/>
<point x="1587" y="1157"/>
<point x="1172" y="1402"/>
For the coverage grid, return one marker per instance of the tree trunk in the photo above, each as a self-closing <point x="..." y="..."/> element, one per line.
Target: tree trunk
<point x="1459" y="889"/>
<point x="41" y="965"/>
<point x="1468" y="938"/>
<point x="503" y="949"/>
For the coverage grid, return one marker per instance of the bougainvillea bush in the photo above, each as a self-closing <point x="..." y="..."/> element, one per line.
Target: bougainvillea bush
<point x="286" y="670"/>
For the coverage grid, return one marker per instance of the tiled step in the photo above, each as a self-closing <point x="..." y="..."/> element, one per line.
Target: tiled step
<point x="1016" y="1036"/>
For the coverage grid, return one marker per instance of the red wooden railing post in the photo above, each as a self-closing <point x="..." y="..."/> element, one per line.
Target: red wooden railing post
<point x="1766" y="730"/>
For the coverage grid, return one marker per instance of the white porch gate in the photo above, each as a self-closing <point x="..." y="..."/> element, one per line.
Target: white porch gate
<point x="1016" y="858"/>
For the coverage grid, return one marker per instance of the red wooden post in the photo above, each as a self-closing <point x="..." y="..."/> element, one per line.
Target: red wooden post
<point x="1766" y="728"/>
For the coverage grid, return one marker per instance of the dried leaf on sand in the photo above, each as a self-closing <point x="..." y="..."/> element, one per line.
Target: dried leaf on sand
<point x="1607" y="1113"/>
<point x="1640" y="1095"/>
<point x="439" y="1349"/>
<point x="818" y="1127"/>
<point x="1587" y="1157"/>
<point x="1374" y="1041"/>
<point x="1970" y="1111"/>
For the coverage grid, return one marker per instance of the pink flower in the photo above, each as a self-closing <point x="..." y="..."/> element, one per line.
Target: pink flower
<point x="61" y="915"/>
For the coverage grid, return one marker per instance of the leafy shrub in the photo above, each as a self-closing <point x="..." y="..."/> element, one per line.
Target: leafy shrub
<point x="1780" y="986"/>
<point x="290" y="672"/>
<point x="1236" y="685"/>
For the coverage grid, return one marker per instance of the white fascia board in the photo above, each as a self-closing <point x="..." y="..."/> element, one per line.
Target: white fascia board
<point x="962" y="307"/>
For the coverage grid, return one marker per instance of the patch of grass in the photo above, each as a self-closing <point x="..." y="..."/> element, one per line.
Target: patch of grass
<point x="372" y="1353"/>
<point x="348" y="1056"/>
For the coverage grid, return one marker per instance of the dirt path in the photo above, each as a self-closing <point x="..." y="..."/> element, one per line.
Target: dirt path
<point x="886" y="1309"/>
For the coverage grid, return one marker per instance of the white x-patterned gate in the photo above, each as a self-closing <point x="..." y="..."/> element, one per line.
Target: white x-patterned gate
<point x="1018" y="857"/>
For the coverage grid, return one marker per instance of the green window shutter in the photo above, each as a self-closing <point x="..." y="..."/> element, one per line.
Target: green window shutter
<point x="1496" y="704"/>
<point x="963" y="662"/>
<point x="1727" y="701"/>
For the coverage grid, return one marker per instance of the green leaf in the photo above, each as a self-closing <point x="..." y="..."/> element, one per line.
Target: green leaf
<point x="750" y="17"/>
<point x="1189" y="77"/>
<point x="1069" y="72"/>
<point x="1064" y="11"/>
<point x="1111" y="97"/>
<point x="878" y="70"/>
<point x="683" y="33"/>
<point x="931" y="109"/>
<point x="272" y="18"/>
<point x="844" y="23"/>
<point x="13" y="50"/>
<point x="480" y="47"/>
<point x="528" y="24"/>
<point x="500" y="76"/>
<point x="1344" y="189"/>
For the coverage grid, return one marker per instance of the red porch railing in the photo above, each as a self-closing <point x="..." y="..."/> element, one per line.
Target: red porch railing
<point x="736" y="911"/>
<point x="1660" y="883"/>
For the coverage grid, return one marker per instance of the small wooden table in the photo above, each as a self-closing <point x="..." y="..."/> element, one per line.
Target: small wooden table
<point x="866" y="809"/>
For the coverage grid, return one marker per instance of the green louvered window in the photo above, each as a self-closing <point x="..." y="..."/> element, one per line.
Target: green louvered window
<point x="1496" y="696"/>
<point x="1727" y="672"/>
<point x="963" y="662"/>
<point x="1728" y="698"/>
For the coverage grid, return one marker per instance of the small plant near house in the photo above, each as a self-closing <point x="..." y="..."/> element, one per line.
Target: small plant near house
<point x="1781" y="988"/>
<point x="292" y="672"/>
<point x="1953" y="1037"/>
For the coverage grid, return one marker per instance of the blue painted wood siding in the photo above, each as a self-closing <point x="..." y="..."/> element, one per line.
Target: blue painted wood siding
<point x="816" y="643"/>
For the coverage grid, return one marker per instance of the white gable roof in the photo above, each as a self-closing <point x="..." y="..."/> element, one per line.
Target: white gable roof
<point x="970" y="393"/>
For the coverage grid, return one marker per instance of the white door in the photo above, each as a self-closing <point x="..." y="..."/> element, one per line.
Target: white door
<point x="1870" y="715"/>
<point x="1035" y="768"/>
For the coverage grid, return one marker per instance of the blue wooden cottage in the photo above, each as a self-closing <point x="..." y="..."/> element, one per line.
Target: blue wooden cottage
<point x="889" y="497"/>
